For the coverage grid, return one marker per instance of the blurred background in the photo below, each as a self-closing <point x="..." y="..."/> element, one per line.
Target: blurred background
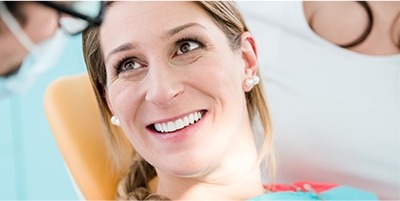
<point x="31" y="166"/>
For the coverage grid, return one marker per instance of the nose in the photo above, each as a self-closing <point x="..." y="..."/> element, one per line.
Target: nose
<point x="164" y="84"/>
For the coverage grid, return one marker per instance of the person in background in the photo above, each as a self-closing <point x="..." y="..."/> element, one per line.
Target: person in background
<point x="31" y="41"/>
<point x="181" y="79"/>
<point x="34" y="51"/>
<point x="332" y="74"/>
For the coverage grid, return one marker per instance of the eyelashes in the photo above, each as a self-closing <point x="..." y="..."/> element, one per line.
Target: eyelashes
<point x="182" y="49"/>
<point x="126" y="63"/>
<point x="182" y="45"/>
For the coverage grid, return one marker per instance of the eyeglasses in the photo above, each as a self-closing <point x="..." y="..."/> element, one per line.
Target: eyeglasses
<point x="77" y="16"/>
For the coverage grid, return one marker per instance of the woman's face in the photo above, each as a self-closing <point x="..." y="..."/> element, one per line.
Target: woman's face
<point x="175" y="84"/>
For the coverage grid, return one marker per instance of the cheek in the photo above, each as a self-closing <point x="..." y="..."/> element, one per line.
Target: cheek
<point x="11" y="54"/>
<point x="10" y="46"/>
<point x="123" y="101"/>
<point x="46" y="19"/>
<point x="126" y="106"/>
<point x="221" y="76"/>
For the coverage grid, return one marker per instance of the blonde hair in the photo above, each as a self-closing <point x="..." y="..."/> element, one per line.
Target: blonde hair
<point x="135" y="184"/>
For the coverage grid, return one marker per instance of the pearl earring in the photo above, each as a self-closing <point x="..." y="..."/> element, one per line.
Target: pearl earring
<point x="115" y="121"/>
<point x="253" y="80"/>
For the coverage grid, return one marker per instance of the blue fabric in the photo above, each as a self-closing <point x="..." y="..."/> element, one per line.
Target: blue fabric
<point x="31" y="165"/>
<point x="337" y="193"/>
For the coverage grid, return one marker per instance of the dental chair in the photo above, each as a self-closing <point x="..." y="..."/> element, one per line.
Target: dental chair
<point x="75" y="121"/>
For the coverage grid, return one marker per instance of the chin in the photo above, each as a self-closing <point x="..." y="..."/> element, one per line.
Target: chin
<point x="186" y="166"/>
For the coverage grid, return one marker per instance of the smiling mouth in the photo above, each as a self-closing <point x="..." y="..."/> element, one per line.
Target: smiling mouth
<point x="178" y="124"/>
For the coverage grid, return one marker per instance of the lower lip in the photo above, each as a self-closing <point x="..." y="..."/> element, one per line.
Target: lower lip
<point x="182" y="134"/>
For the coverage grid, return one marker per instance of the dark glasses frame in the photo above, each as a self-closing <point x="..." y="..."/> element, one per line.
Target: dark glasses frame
<point x="92" y="21"/>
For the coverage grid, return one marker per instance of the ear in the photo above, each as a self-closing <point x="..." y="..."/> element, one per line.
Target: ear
<point x="249" y="56"/>
<point x="106" y="96"/>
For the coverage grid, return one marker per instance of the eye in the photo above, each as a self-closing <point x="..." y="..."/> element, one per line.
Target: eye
<point x="187" y="46"/>
<point x="127" y="64"/>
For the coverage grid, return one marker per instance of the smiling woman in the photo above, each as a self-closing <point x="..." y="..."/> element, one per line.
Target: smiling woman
<point x="171" y="93"/>
<point x="180" y="79"/>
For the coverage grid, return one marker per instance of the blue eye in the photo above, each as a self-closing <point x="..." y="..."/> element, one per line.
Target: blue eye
<point x="187" y="46"/>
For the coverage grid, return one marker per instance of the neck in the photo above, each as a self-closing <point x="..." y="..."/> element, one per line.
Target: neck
<point x="237" y="177"/>
<point x="240" y="186"/>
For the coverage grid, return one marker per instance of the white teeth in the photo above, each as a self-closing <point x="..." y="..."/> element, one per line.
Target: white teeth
<point x="158" y="126"/>
<point x="172" y="126"/>
<point x="185" y="121"/>
<point x="164" y="127"/>
<point x="179" y="124"/>
<point x="191" y="118"/>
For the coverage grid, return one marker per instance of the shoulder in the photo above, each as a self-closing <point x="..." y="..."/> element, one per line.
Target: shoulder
<point x="314" y="191"/>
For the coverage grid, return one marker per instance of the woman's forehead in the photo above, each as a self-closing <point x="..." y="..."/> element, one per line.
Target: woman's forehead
<point x="127" y="20"/>
<point x="145" y="12"/>
<point x="139" y="15"/>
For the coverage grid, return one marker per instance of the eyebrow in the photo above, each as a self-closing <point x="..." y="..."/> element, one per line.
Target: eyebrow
<point x="121" y="48"/>
<point x="178" y="29"/>
<point x="168" y="34"/>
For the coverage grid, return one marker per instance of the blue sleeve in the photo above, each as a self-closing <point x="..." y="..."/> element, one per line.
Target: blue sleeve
<point x="337" y="193"/>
